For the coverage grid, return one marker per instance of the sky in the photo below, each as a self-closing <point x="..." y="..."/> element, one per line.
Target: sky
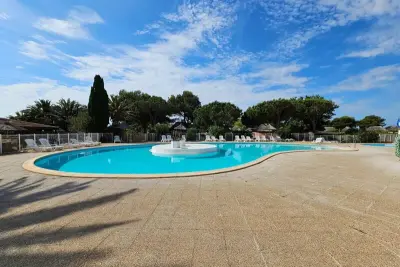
<point x="239" y="51"/>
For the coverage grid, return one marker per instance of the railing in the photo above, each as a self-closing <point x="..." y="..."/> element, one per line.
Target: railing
<point x="341" y="138"/>
<point x="16" y="142"/>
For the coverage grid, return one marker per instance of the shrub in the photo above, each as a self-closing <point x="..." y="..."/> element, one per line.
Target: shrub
<point x="191" y="134"/>
<point x="397" y="146"/>
<point x="216" y="130"/>
<point x="369" y="137"/>
<point x="162" y="128"/>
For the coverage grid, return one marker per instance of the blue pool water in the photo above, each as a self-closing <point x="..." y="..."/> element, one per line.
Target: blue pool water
<point x="137" y="159"/>
<point x="381" y="145"/>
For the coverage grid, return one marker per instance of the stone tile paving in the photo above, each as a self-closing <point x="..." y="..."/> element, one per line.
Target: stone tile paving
<point x="305" y="209"/>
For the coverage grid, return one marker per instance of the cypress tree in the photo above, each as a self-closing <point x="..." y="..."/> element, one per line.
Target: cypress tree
<point x="98" y="106"/>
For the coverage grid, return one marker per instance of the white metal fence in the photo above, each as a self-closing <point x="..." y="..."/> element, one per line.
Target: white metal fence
<point x="341" y="138"/>
<point x="16" y="142"/>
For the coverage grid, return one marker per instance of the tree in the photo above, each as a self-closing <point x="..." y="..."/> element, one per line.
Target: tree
<point x="98" y="106"/>
<point x="40" y="112"/>
<point x="343" y="122"/>
<point x="118" y="108"/>
<point x="371" y="120"/>
<point x="184" y="105"/>
<point x="79" y="123"/>
<point x="65" y="109"/>
<point x="221" y="114"/>
<point x="314" y="111"/>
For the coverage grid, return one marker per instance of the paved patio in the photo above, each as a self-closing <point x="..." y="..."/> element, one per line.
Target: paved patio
<point x="301" y="209"/>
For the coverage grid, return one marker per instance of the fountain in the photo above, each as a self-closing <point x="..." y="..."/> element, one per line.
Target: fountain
<point x="181" y="148"/>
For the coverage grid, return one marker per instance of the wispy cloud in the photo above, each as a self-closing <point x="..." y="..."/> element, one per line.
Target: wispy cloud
<point x="74" y="26"/>
<point x="4" y="16"/>
<point x="376" y="78"/>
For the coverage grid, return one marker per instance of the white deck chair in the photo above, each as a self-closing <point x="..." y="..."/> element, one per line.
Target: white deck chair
<point x="169" y="138"/>
<point x="319" y="140"/>
<point x="183" y="138"/>
<point x="163" y="139"/>
<point x="214" y="139"/>
<point x="237" y="138"/>
<point x="278" y="138"/>
<point x="263" y="139"/>
<point x="243" y="138"/>
<point x="272" y="138"/>
<point x="76" y="142"/>
<point x="117" y="139"/>
<point x="248" y="139"/>
<point x="258" y="139"/>
<point x="45" y="143"/>
<point x="30" y="144"/>
<point x="221" y="138"/>
<point x="89" y="140"/>
<point x="208" y="138"/>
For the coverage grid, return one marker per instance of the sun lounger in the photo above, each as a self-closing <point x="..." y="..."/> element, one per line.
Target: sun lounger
<point x="248" y="139"/>
<point x="45" y="143"/>
<point x="243" y="138"/>
<point x="76" y="142"/>
<point x="169" y="138"/>
<point x="208" y="138"/>
<point x="319" y="140"/>
<point x="263" y="139"/>
<point x="183" y="138"/>
<point x="163" y="139"/>
<point x="237" y="138"/>
<point x="214" y="139"/>
<point x="89" y="140"/>
<point x="31" y="144"/>
<point x="221" y="138"/>
<point x="117" y="139"/>
<point x="258" y="139"/>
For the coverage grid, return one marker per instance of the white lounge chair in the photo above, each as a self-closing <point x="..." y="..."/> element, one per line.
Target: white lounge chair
<point x="45" y="143"/>
<point x="117" y="139"/>
<point x="163" y="139"/>
<point x="248" y="139"/>
<point x="221" y="138"/>
<point x="214" y="139"/>
<point x="76" y="142"/>
<point x="243" y="138"/>
<point x="319" y="140"/>
<point x="258" y="139"/>
<point x="278" y="138"/>
<point x="31" y="144"/>
<point x="183" y="138"/>
<point x="169" y="138"/>
<point x="208" y="138"/>
<point x="90" y="141"/>
<point x="263" y="138"/>
<point x="237" y="138"/>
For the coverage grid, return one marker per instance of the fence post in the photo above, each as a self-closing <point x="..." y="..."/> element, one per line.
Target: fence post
<point x="1" y="145"/>
<point x="98" y="139"/>
<point x="34" y="137"/>
<point x="19" y="142"/>
<point x="58" y="137"/>
<point x="47" y="137"/>
<point x="77" y="137"/>
<point x="68" y="137"/>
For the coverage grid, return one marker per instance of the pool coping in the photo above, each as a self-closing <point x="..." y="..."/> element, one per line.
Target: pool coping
<point x="29" y="165"/>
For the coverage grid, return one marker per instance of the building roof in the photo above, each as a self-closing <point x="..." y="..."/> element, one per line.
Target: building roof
<point x="376" y="129"/>
<point x="265" y="128"/>
<point x="22" y="126"/>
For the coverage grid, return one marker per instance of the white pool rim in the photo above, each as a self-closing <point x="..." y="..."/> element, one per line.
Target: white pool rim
<point x="188" y="149"/>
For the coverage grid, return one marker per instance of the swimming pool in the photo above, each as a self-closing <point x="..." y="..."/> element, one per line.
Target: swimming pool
<point x="380" y="145"/>
<point x="137" y="159"/>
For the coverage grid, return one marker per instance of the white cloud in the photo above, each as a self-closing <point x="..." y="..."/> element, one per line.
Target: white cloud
<point x="4" y="16"/>
<point x="17" y="96"/>
<point x="74" y="26"/>
<point x="376" y="78"/>
<point x="382" y="38"/>
<point x="34" y="50"/>
<point x="19" y="67"/>
<point x="304" y="20"/>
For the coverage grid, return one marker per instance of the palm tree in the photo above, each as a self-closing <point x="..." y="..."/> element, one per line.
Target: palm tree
<point x="40" y="112"/>
<point x="118" y="109"/>
<point x="64" y="110"/>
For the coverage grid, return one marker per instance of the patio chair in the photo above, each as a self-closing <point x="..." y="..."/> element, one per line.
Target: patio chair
<point x="169" y="138"/>
<point x="272" y="138"/>
<point x="221" y="138"/>
<point x="163" y="139"/>
<point x="237" y="138"/>
<point x="243" y="138"/>
<point x="31" y="144"/>
<point x="258" y="139"/>
<point x="263" y="139"/>
<point x="208" y="138"/>
<point x="79" y="144"/>
<point x="45" y="143"/>
<point x="248" y="139"/>
<point x="214" y="139"/>
<point x="319" y="140"/>
<point x="90" y="141"/>
<point x="117" y="139"/>
<point x="183" y="138"/>
<point x="278" y="138"/>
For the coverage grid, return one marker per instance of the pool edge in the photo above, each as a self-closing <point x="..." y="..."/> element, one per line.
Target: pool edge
<point x="29" y="165"/>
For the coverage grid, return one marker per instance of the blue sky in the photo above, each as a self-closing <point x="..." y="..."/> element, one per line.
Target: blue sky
<point x="238" y="51"/>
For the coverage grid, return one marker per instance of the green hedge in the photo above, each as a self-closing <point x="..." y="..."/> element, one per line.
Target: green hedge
<point x="397" y="146"/>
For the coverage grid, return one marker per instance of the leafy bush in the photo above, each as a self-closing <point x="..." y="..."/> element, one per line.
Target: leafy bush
<point x="216" y="130"/>
<point x="397" y="146"/>
<point x="369" y="137"/>
<point x="191" y="134"/>
<point x="161" y="128"/>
